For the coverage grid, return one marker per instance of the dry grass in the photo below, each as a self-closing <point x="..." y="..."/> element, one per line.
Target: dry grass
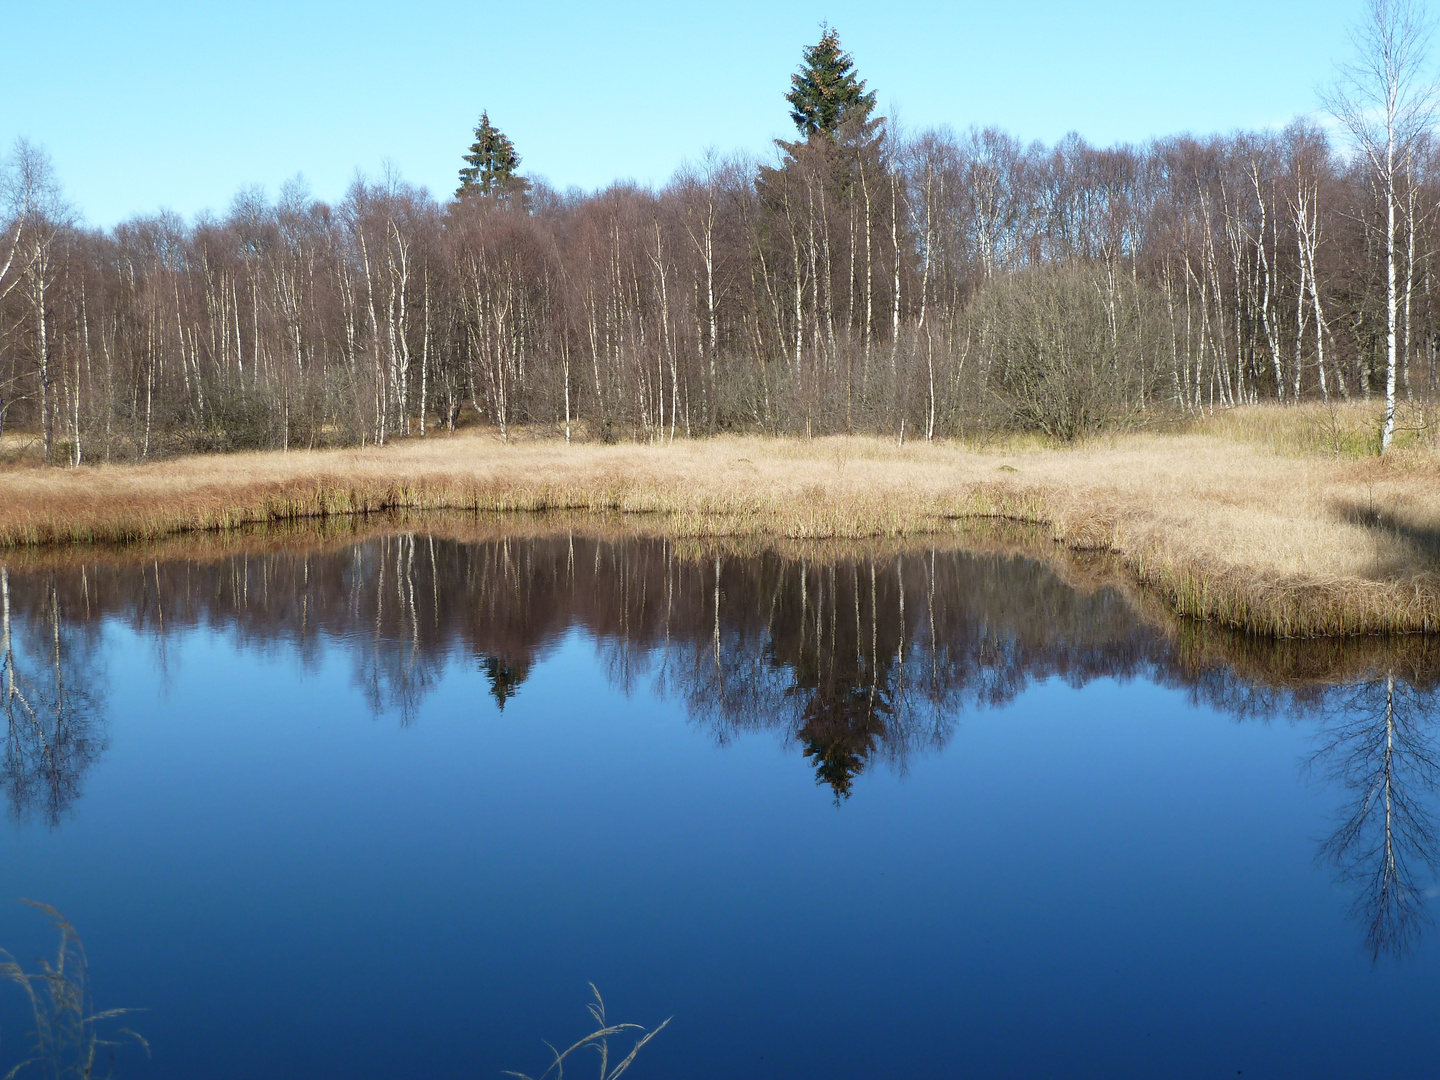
<point x="1340" y="430"/>
<point x="21" y="448"/>
<point x="66" y="1039"/>
<point x="599" y="1041"/>
<point x="1239" y="525"/>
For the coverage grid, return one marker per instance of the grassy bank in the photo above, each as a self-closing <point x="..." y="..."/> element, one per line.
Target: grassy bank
<point x="1241" y="525"/>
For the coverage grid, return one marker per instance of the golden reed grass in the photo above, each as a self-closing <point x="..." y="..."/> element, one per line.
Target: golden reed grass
<point x="1236" y="529"/>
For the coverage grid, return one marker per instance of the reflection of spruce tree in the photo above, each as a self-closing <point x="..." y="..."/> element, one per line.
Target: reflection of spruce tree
<point x="848" y="697"/>
<point x="1379" y="743"/>
<point x="505" y="677"/>
<point x="838" y="742"/>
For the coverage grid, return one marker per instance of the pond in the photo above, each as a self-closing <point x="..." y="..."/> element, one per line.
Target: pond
<point x="385" y="804"/>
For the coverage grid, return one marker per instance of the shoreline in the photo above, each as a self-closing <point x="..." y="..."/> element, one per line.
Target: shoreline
<point x="1297" y="665"/>
<point x="1221" y="530"/>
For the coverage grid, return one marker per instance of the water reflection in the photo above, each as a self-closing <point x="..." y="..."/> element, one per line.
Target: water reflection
<point x="1377" y="739"/>
<point x="53" y="699"/>
<point x="855" y="658"/>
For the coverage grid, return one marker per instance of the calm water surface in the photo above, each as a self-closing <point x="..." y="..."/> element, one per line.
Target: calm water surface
<point x="384" y="809"/>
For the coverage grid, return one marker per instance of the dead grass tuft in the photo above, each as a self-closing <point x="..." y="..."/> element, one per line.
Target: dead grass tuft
<point x="66" y="1039"/>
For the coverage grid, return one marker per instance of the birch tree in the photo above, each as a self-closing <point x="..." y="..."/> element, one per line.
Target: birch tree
<point x="1385" y="103"/>
<point x="41" y="217"/>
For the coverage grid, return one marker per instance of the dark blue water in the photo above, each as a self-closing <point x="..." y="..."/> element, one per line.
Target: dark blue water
<point x="386" y="810"/>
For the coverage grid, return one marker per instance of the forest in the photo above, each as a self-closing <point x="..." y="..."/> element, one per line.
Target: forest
<point x="918" y="285"/>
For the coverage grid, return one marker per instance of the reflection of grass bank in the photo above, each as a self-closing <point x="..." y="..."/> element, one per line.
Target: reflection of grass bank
<point x="1225" y="528"/>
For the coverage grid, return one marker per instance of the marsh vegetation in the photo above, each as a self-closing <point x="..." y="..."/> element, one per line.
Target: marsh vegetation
<point x="69" y="1039"/>
<point x="1246" y="520"/>
<point x="876" y="333"/>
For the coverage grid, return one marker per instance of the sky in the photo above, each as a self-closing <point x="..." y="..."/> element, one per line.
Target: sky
<point x="144" y="106"/>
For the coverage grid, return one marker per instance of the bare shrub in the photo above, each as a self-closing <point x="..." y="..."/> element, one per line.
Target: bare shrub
<point x="1063" y="349"/>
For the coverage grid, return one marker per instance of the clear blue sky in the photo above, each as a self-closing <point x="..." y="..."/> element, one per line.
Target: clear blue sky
<point x="177" y="105"/>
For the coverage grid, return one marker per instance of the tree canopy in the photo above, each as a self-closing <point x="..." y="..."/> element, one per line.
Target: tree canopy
<point x="491" y="164"/>
<point x="825" y="93"/>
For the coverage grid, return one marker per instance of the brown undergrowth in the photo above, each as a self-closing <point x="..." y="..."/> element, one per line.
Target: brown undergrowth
<point x="1227" y="531"/>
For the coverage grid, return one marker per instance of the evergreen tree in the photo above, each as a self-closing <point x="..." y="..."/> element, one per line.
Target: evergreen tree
<point x="837" y="165"/>
<point x="491" y="164"/>
<point x="825" y="93"/>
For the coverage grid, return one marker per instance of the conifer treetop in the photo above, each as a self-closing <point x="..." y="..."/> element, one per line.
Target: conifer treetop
<point x="491" y="163"/>
<point x="825" y="92"/>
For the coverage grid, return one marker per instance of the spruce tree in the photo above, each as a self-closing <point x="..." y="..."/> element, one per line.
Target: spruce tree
<point x="825" y="93"/>
<point x="491" y="164"/>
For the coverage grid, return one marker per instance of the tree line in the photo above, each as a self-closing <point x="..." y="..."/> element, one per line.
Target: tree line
<point x="927" y="284"/>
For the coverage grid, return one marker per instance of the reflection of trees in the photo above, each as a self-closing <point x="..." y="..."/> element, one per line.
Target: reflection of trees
<point x="852" y="658"/>
<point x="52" y="701"/>
<point x="1377" y="740"/>
<point x="504" y="677"/>
<point x="859" y="659"/>
<point x="392" y="668"/>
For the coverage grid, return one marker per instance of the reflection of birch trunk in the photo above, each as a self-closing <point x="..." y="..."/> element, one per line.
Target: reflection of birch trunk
<point x="7" y="655"/>
<point x="52" y="735"/>
<point x="718" y="670"/>
<point x="1380" y="747"/>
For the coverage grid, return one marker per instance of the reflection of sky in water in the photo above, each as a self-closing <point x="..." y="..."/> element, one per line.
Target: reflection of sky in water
<point x="1102" y="881"/>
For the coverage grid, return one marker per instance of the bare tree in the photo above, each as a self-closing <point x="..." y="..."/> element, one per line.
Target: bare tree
<point x="40" y="217"/>
<point x="1180" y="275"/>
<point x="1386" y="105"/>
